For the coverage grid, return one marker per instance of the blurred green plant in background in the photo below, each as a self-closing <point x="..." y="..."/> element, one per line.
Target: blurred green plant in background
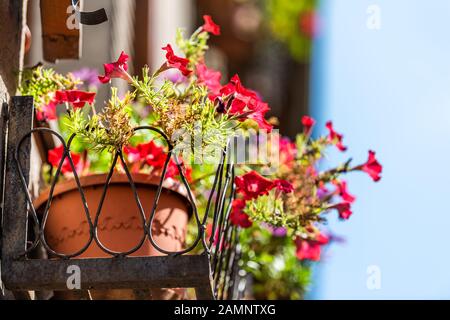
<point x="269" y="256"/>
<point x="294" y="23"/>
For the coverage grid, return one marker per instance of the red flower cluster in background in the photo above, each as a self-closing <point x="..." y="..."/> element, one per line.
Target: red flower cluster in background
<point x="55" y="156"/>
<point x="148" y="153"/>
<point x="47" y="112"/>
<point x="154" y="156"/>
<point x="76" y="98"/>
<point x="308" y="24"/>
<point x="308" y="249"/>
<point x="237" y="215"/>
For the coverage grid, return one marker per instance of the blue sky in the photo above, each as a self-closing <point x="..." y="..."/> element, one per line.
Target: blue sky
<point x="389" y="90"/>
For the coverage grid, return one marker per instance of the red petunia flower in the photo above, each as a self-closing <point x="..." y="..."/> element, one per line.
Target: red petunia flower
<point x="76" y="98"/>
<point x="47" y="112"/>
<point x="237" y="215"/>
<point x="116" y="69"/>
<point x="308" y="124"/>
<point x="310" y="249"/>
<point x="246" y="102"/>
<point x="334" y="137"/>
<point x="150" y="153"/>
<point x="344" y="209"/>
<point x="154" y="156"/>
<point x="209" y="230"/>
<point x="284" y="186"/>
<point x="243" y="97"/>
<point x="172" y="169"/>
<point x="252" y="185"/>
<point x="174" y="61"/>
<point x="188" y="173"/>
<point x="343" y="192"/>
<point x="372" y="167"/>
<point x="210" y="26"/>
<point x="133" y="154"/>
<point x="258" y="114"/>
<point x="209" y="78"/>
<point x="55" y="156"/>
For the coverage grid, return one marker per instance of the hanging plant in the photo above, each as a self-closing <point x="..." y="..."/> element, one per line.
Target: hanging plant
<point x="173" y="125"/>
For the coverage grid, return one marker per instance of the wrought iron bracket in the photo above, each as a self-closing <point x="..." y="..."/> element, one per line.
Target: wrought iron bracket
<point x="209" y="273"/>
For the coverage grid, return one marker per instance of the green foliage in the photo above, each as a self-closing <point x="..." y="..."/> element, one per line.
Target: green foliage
<point x="109" y="131"/>
<point x="41" y="83"/>
<point x="268" y="209"/>
<point x="186" y="115"/>
<point x="284" y="17"/>
<point x="195" y="47"/>
<point x="276" y="271"/>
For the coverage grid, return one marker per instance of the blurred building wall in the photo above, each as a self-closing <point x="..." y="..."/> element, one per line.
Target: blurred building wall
<point x="102" y="43"/>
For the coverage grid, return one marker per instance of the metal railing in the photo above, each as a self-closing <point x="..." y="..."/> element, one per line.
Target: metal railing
<point x="218" y="252"/>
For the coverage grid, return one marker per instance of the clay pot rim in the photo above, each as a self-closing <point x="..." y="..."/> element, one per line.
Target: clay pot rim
<point x="169" y="186"/>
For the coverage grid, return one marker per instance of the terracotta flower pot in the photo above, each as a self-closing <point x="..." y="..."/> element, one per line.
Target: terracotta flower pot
<point x="120" y="224"/>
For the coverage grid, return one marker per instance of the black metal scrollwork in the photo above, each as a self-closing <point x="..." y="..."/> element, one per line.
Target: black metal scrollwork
<point x="220" y="247"/>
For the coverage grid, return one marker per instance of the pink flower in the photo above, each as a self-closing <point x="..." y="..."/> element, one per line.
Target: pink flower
<point x="372" y="167"/>
<point x="343" y="192"/>
<point x="308" y="124"/>
<point x="210" y="26"/>
<point x="116" y="69"/>
<point x="55" y="156"/>
<point x="334" y="137"/>
<point x="344" y="210"/>
<point x="174" y="61"/>
<point x="284" y="186"/>
<point x="288" y="150"/>
<point x="76" y="98"/>
<point x="252" y="185"/>
<point x="322" y="191"/>
<point x="47" y="112"/>
<point x="237" y="215"/>
<point x="209" y="78"/>
<point x="310" y="249"/>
